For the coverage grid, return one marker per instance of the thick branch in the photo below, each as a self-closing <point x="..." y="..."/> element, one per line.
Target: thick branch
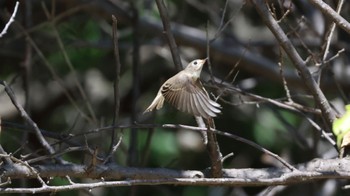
<point x="314" y="170"/>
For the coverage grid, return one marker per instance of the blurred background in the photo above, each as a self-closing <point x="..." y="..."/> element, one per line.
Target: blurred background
<point x="58" y="57"/>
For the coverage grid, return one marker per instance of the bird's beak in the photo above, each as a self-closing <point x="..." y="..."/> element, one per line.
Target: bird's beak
<point x="204" y="60"/>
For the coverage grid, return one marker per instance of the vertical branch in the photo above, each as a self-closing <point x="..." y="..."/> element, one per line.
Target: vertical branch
<point x="117" y="70"/>
<point x="115" y="86"/>
<point x="327" y="43"/>
<point x="329" y="34"/>
<point x="284" y="81"/>
<point x="208" y="52"/>
<point x="167" y="30"/>
<point x="212" y="145"/>
<point x="133" y="154"/>
<point x="214" y="150"/>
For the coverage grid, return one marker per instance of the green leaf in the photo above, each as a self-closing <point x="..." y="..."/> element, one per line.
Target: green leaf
<point x="341" y="126"/>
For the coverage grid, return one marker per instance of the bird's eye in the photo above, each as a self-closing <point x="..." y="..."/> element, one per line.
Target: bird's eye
<point x="195" y="63"/>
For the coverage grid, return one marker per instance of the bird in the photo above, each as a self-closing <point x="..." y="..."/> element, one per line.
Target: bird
<point x="185" y="92"/>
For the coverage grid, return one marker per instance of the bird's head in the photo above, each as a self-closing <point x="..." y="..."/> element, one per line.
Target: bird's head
<point x="195" y="67"/>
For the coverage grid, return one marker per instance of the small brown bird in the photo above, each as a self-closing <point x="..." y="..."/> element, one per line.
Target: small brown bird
<point x="185" y="92"/>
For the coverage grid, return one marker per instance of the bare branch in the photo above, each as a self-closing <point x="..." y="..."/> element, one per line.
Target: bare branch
<point x="317" y="169"/>
<point x="292" y="106"/>
<point x="333" y="15"/>
<point x="113" y="146"/>
<point x="235" y="137"/>
<point x="214" y="149"/>
<point x="298" y="62"/>
<point x="11" y="20"/>
<point x="25" y="116"/>
<point x="167" y="30"/>
<point x="329" y="33"/>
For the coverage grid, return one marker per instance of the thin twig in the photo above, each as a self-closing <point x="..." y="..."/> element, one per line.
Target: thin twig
<point x="208" y="52"/>
<point x="57" y="154"/>
<point x="11" y="20"/>
<point x="177" y="126"/>
<point x="227" y="156"/>
<point x="6" y="158"/>
<point x="292" y="106"/>
<point x="230" y="135"/>
<point x="7" y="182"/>
<point x="223" y="16"/>
<point x="335" y="56"/>
<point x="167" y="30"/>
<point x="70" y="65"/>
<point x="53" y="72"/>
<point x="327" y="42"/>
<point x="330" y="13"/>
<point x="329" y="33"/>
<point x="114" y="148"/>
<point x="223" y="25"/>
<point x="285" y="14"/>
<point x="70" y="180"/>
<point x="284" y="81"/>
<point x="113" y="145"/>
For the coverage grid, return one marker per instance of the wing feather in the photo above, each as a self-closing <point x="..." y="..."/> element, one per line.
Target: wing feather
<point x="190" y="97"/>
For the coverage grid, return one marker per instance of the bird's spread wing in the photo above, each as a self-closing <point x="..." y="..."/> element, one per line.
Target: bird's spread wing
<point x="190" y="97"/>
